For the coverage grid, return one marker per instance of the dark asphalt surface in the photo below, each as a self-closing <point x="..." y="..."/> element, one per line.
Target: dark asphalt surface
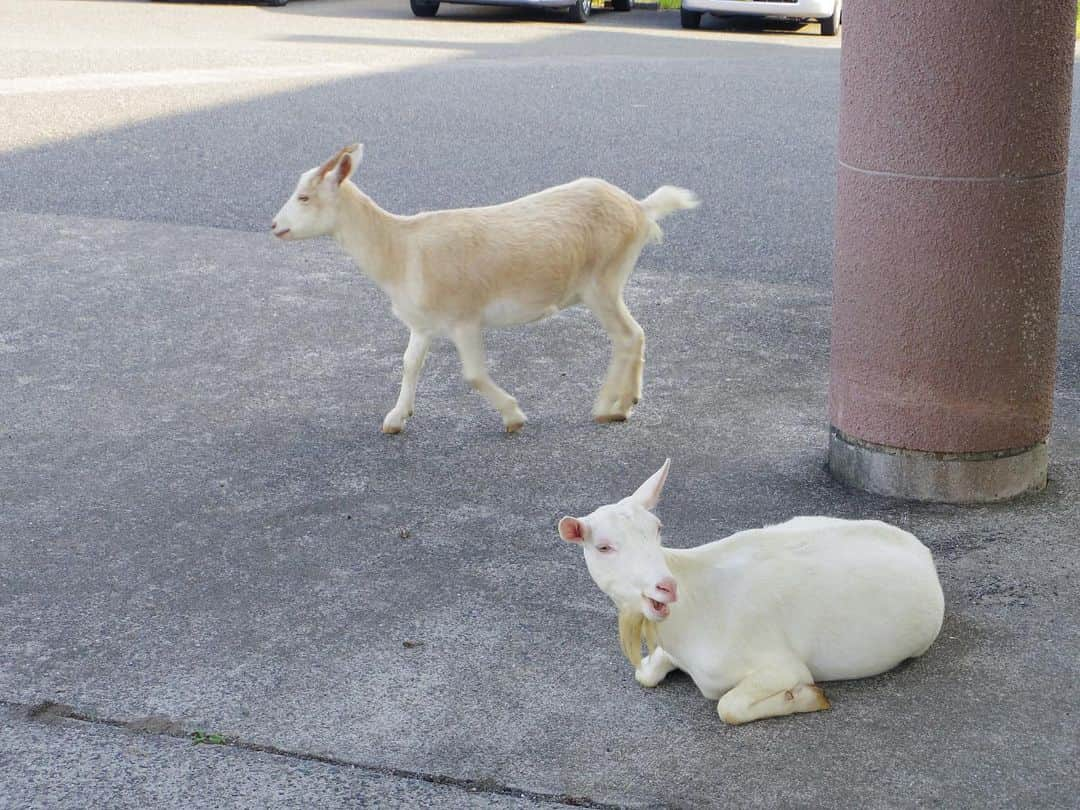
<point x="201" y="522"/>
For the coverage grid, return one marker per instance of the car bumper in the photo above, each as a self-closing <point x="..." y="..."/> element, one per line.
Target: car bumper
<point x="755" y="8"/>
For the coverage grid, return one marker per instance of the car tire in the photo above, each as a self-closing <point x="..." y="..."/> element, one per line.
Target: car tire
<point x="830" y="25"/>
<point x="422" y="9"/>
<point x="622" y="5"/>
<point x="690" y="19"/>
<point x="274" y="3"/>
<point x="579" y="12"/>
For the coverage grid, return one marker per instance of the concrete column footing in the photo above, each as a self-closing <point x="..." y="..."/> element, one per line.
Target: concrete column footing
<point x="947" y="477"/>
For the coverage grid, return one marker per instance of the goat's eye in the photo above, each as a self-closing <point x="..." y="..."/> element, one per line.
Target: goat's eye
<point x="604" y="548"/>
<point x="303" y="198"/>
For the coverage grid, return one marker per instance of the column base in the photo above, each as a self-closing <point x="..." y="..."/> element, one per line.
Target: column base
<point x="947" y="477"/>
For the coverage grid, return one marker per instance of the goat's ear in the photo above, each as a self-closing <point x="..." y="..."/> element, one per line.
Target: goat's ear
<point x="648" y="494"/>
<point x="572" y="530"/>
<point x="351" y="156"/>
<point x="341" y="166"/>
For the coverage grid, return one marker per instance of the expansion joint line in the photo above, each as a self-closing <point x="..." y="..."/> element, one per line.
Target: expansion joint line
<point x="47" y="711"/>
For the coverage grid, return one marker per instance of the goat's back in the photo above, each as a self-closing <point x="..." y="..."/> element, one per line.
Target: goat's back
<point x="540" y="249"/>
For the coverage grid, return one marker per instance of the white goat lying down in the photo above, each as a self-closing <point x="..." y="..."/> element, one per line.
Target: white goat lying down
<point x="458" y="272"/>
<point x="756" y="618"/>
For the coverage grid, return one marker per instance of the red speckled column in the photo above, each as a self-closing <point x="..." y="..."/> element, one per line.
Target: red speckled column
<point x="953" y="147"/>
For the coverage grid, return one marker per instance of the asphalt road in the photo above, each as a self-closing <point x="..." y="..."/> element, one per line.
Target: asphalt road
<point x="201" y="527"/>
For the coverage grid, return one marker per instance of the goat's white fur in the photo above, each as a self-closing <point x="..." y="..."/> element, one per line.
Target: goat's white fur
<point x="763" y="614"/>
<point x="458" y="272"/>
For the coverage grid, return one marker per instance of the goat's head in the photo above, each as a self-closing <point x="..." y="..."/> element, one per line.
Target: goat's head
<point x="622" y="550"/>
<point x="312" y="208"/>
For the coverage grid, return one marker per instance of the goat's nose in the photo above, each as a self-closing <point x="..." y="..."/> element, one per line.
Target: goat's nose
<point x="668" y="586"/>
<point x="273" y="225"/>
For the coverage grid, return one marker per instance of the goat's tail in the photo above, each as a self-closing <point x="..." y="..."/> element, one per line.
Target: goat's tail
<point x="667" y="200"/>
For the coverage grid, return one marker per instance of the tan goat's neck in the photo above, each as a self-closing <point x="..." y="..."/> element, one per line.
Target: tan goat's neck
<point x="368" y="234"/>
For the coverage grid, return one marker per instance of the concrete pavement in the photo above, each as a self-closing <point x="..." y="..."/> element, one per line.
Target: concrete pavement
<point x="202" y="525"/>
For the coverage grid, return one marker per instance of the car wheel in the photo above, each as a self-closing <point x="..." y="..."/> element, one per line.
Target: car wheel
<point x="622" y="5"/>
<point x="422" y="9"/>
<point x="274" y="3"/>
<point x="690" y="19"/>
<point x="579" y="12"/>
<point x="830" y="25"/>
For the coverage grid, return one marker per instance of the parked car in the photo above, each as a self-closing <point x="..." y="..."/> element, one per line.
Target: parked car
<point x="827" y="12"/>
<point x="577" y="10"/>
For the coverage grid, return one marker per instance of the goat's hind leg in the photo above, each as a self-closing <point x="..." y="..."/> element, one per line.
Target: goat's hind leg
<point x="622" y="386"/>
<point x="772" y="691"/>
<point x="470" y="346"/>
<point x="415" y="354"/>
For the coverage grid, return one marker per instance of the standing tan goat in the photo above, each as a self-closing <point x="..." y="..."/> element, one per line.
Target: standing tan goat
<point x="458" y="272"/>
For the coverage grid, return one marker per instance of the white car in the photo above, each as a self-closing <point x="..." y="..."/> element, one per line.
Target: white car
<point x="827" y="12"/>
<point x="577" y="10"/>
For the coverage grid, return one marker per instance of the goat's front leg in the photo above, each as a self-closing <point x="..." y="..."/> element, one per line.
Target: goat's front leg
<point x="415" y="354"/>
<point x="654" y="668"/>
<point x="470" y="345"/>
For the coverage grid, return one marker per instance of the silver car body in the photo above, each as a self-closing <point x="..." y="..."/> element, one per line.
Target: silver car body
<point x="795" y="9"/>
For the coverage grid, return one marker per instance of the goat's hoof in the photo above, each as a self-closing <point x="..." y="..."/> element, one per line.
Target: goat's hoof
<point x="513" y="419"/>
<point x="731" y="718"/>
<point x="646" y="679"/>
<point x="819" y="699"/>
<point x="604" y="418"/>
<point x="392" y="423"/>
<point x="613" y="409"/>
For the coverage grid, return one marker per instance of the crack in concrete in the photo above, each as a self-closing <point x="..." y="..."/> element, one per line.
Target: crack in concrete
<point x="48" y="711"/>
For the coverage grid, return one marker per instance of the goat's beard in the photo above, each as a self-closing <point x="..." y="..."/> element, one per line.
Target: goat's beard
<point x="633" y="629"/>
